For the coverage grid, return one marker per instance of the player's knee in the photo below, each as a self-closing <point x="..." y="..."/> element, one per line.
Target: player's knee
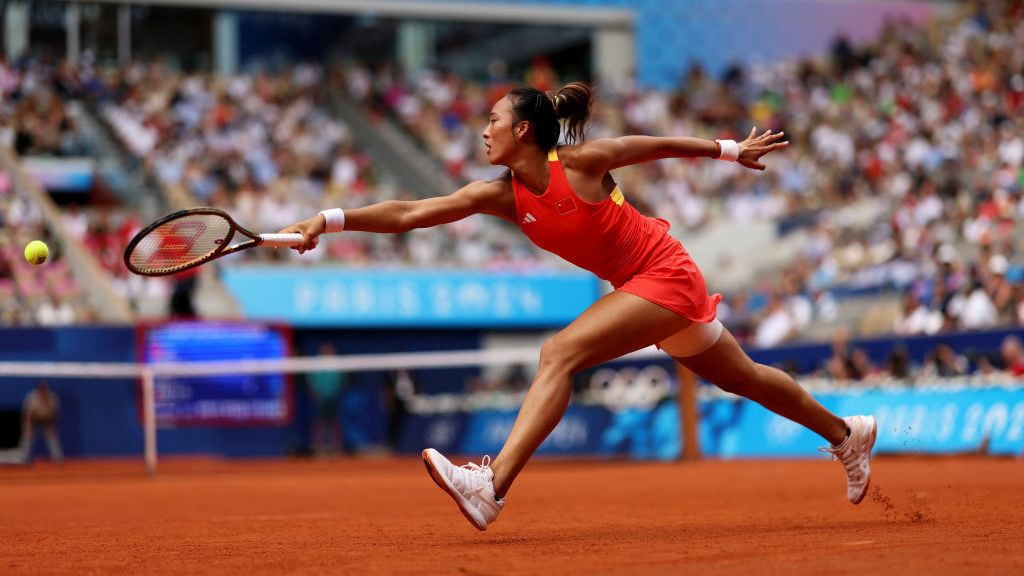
<point x="557" y="355"/>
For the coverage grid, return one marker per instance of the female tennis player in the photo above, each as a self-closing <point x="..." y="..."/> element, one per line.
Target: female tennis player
<point x="566" y="201"/>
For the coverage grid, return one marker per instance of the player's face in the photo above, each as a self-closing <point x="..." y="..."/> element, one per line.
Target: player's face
<point x="499" y="136"/>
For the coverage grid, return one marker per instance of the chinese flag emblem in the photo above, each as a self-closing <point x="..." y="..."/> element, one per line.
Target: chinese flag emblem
<point x="566" y="205"/>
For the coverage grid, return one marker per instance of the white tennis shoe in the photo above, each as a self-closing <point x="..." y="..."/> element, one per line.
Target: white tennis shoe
<point x="471" y="486"/>
<point x="855" y="454"/>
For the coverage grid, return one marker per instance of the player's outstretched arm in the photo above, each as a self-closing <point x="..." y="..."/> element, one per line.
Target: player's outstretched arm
<point x="481" y="197"/>
<point x="602" y="155"/>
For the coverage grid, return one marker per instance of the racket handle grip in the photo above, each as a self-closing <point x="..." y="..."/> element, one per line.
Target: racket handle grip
<point x="280" y="240"/>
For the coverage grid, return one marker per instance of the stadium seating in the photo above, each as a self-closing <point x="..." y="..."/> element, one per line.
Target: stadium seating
<point x="936" y="160"/>
<point x="899" y="202"/>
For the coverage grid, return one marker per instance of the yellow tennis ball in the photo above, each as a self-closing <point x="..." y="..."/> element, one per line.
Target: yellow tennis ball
<point x="36" y="252"/>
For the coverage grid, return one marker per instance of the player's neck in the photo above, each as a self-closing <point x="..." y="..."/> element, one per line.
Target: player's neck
<point x="531" y="169"/>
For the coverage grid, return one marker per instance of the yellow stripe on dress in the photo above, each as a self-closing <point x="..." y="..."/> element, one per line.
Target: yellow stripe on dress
<point x="552" y="155"/>
<point x="617" y="196"/>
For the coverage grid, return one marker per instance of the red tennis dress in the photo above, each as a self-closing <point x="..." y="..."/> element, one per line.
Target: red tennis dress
<point x="615" y="242"/>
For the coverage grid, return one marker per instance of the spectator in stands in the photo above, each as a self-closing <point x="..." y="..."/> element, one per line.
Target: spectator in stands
<point x="6" y="274"/>
<point x="847" y="362"/>
<point x="984" y="368"/>
<point x="41" y="409"/>
<point x="916" y="318"/>
<point x="55" y="311"/>
<point x="1000" y="289"/>
<point x="973" y="307"/>
<point x="863" y="367"/>
<point x="898" y="364"/>
<point x="1012" y="356"/>
<point x="1018" y="303"/>
<point x="944" y="362"/>
<point x="776" y="326"/>
<point x="541" y="75"/>
<point x="76" y="221"/>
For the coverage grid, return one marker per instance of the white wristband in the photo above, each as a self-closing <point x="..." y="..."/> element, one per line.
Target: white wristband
<point x="335" y="218"/>
<point x="730" y="150"/>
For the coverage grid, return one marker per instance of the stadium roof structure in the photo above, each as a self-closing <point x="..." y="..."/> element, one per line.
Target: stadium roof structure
<point x="539" y="14"/>
<point x="612" y="30"/>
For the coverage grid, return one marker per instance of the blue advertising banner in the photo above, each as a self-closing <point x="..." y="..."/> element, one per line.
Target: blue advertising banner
<point x="627" y="408"/>
<point x="643" y="434"/>
<point x="946" y="420"/>
<point x="341" y="297"/>
<point x="932" y="420"/>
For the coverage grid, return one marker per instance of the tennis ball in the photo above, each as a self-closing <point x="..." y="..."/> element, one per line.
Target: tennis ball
<point x="36" y="252"/>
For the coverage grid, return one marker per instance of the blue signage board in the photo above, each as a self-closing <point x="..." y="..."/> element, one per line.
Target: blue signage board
<point x="923" y="420"/>
<point x="336" y="296"/>
<point x="62" y="174"/>
<point x="947" y="420"/>
<point x="643" y="434"/>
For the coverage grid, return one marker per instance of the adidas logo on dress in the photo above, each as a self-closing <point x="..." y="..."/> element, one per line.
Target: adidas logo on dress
<point x="529" y="218"/>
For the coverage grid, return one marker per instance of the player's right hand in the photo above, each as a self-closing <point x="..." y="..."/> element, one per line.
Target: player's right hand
<point x="311" y="229"/>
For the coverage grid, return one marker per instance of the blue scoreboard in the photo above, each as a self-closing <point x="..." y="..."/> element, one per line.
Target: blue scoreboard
<point x="230" y="399"/>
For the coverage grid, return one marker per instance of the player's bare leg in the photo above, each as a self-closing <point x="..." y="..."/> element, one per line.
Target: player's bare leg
<point x="616" y="324"/>
<point x="727" y="366"/>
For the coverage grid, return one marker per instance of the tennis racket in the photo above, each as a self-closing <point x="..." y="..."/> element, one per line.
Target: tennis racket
<point x="189" y="238"/>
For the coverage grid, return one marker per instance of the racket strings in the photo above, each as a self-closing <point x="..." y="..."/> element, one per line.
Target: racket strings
<point x="181" y="242"/>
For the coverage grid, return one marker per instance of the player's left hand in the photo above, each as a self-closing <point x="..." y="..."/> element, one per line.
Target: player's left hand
<point x="754" y="147"/>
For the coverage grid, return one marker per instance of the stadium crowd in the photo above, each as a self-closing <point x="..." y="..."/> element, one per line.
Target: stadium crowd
<point x="924" y="124"/>
<point x="33" y="295"/>
<point x="266" y="148"/>
<point x="35" y="121"/>
<point x="849" y="362"/>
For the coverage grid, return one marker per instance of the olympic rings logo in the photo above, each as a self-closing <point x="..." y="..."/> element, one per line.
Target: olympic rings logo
<point x="628" y="387"/>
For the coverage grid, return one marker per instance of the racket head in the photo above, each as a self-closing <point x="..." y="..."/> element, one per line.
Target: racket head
<point x="179" y="241"/>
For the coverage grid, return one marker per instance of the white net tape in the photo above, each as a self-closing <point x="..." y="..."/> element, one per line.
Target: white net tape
<point x="353" y="363"/>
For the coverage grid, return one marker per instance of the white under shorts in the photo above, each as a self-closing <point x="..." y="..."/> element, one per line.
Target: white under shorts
<point x="693" y="339"/>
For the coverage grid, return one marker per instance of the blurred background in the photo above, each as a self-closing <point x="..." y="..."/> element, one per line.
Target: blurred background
<point x="878" y="258"/>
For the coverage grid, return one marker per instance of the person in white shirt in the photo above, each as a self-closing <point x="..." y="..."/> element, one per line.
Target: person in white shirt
<point x="916" y="318"/>
<point x="976" y="310"/>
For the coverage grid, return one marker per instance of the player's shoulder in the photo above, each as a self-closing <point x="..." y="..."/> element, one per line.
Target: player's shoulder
<point x="586" y="156"/>
<point x="493" y="187"/>
<point x="494" y="196"/>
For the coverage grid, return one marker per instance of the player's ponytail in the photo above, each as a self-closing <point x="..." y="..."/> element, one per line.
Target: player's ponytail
<point x="572" y="102"/>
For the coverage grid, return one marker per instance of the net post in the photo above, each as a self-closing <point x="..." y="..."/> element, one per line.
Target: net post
<point x="688" y="413"/>
<point x="149" y="418"/>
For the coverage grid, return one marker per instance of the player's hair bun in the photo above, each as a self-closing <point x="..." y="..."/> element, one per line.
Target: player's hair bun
<point x="572" y="103"/>
<point x="544" y="110"/>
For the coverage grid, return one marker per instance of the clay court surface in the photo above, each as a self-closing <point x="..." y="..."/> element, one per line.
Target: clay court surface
<point x="203" y="516"/>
